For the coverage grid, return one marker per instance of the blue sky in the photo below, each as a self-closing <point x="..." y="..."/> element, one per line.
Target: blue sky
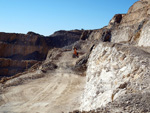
<point x="47" y="16"/>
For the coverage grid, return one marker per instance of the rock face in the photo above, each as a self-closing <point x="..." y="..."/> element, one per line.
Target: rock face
<point x="132" y="25"/>
<point x="20" y="46"/>
<point x="64" y="38"/>
<point x="118" y="71"/>
<point x="11" y="67"/>
<point x="114" y="71"/>
<point x="131" y="28"/>
<point x="20" y="51"/>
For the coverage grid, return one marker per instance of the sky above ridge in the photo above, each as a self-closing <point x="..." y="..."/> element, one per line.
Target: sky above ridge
<point x="47" y="16"/>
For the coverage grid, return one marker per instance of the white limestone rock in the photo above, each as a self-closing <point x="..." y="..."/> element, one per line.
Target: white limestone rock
<point x="114" y="70"/>
<point x="145" y="36"/>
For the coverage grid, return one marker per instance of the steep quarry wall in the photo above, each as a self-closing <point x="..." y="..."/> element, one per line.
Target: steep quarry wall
<point x="19" y="52"/>
<point x="21" y="46"/>
<point x="116" y="70"/>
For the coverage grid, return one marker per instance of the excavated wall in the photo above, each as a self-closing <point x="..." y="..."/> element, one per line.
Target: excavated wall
<point x="115" y="70"/>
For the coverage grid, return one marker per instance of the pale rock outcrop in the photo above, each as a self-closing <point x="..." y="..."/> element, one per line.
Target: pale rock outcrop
<point x="144" y="39"/>
<point x="137" y="6"/>
<point x="126" y="28"/>
<point x="131" y="24"/>
<point x="118" y="74"/>
<point x="96" y="34"/>
<point x="116" y="70"/>
<point x="121" y="35"/>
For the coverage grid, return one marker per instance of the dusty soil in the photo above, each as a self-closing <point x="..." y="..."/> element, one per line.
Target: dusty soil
<point x="54" y="93"/>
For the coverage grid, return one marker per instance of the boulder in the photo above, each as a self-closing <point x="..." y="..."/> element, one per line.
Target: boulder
<point x="48" y="66"/>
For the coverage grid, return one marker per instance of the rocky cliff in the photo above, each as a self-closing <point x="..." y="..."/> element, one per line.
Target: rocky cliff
<point x="115" y="72"/>
<point x="118" y="70"/>
<point x="20" y="51"/>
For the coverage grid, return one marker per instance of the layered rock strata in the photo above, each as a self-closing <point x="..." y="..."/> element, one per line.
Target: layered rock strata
<point x="20" y="51"/>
